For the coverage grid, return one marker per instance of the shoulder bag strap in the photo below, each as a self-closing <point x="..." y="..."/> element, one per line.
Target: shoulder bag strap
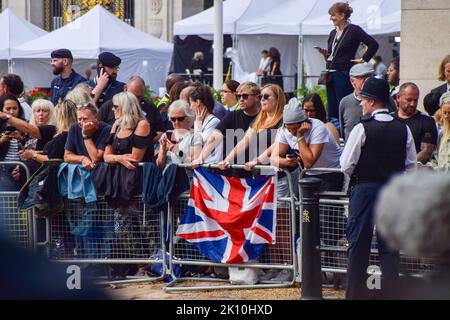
<point x="344" y="33"/>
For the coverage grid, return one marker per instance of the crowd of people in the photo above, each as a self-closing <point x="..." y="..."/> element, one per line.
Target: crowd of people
<point x="371" y="129"/>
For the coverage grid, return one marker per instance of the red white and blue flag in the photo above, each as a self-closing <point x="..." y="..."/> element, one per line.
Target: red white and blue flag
<point x="230" y="220"/>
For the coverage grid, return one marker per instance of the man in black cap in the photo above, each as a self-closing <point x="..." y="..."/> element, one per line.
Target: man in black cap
<point x="105" y="86"/>
<point x="377" y="148"/>
<point x="67" y="78"/>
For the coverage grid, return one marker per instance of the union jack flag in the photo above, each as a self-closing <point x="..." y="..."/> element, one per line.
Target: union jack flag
<point x="230" y="220"/>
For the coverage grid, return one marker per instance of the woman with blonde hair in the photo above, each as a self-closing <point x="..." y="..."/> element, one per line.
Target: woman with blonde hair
<point x="443" y="145"/>
<point x="130" y="135"/>
<point x="261" y="134"/>
<point x="80" y="95"/>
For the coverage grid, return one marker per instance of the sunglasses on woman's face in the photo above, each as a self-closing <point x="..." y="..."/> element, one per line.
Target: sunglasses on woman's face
<point x="115" y="107"/>
<point x="264" y="96"/>
<point x="180" y="119"/>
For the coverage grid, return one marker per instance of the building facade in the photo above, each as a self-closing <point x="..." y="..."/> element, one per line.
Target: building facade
<point x="155" y="17"/>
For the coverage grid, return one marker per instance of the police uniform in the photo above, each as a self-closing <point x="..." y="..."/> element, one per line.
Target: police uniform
<point x="59" y="86"/>
<point x="377" y="148"/>
<point x="110" y="60"/>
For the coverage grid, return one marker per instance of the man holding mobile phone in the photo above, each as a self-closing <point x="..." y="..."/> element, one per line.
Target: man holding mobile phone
<point x="67" y="78"/>
<point x="105" y="85"/>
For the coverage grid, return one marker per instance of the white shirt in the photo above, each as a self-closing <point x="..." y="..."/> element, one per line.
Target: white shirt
<point x="318" y="134"/>
<point x="264" y="64"/>
<point x="27" y="111"/>
<point x="357" y="139"/>
<point x="206" y="130"/>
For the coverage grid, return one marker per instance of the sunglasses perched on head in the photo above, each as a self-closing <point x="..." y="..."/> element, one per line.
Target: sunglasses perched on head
<point x="174" y="119"/>
<point x="244" y="96"/>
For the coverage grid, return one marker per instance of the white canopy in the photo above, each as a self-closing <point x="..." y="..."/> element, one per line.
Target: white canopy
<point x="95" y="32"/>
<point x="203" y="22"/>
<point x="259" y="24"/>
<point x="15" y="31"/>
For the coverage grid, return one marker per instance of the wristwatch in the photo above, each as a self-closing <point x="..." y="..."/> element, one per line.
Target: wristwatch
<point x="86" y="137"/>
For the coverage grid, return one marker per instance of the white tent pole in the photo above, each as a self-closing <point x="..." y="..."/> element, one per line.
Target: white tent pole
<point x="300" y="60"/>
<point x="10" y="66"/>
<point x="218" y="44"/>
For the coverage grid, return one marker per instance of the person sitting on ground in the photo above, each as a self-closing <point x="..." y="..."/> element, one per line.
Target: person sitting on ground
<point x="314" y="109"/>
<point x="183" y="144"/>
<point x="228" y="95"/>
<point x="86" y="141"/>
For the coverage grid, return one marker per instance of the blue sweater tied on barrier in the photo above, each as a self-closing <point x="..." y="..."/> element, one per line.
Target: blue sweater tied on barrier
<point x="74" y="182"/>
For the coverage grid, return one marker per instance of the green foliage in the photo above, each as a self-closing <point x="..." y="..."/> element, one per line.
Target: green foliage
<point x="320" y="90"/>
<point x="216" y="94"/>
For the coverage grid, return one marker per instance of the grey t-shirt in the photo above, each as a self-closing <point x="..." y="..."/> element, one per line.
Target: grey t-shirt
<point x="349" y="114"/>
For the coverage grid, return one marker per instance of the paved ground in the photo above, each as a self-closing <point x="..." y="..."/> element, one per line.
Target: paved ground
<point x="154" y="291"/>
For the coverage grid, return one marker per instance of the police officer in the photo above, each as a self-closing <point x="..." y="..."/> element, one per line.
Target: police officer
<point x="377" y="148"/>
<point x="67" y="78"/>
<point x="105" y="84"/>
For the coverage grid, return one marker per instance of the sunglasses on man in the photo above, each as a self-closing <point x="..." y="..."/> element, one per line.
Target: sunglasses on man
<point x="244" y="96"/>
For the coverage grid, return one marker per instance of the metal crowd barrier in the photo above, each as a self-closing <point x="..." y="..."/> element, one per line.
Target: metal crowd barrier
<point x="95" y="233"/>
<point x="333" y="207"/>
<point x="17" y="225"/>
<point x="280" y="256"/>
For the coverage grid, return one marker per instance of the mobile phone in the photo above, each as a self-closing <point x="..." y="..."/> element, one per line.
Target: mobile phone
<point x="316" y="47"/>
<point x="10" y="129"/>
<point x="169" y="135"/>
<point x="291" y="156"/>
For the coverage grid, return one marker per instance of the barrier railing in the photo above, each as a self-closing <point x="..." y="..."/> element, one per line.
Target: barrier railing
<point x="333" y="208"/>
<point x="96" y="233"/>
<point x="280" y="256"/>
<point x="16" y="224"/>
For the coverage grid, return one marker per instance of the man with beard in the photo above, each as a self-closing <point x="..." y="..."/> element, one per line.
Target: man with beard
<point x="423" y="127"/>
<point x="105" y="86"/>
<point x="67" y="78"/>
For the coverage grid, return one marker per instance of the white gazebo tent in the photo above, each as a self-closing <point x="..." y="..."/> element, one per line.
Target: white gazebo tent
<point x="95" y="32"/>
<point x="14" y="31"/>
<point x="294" y="27"/>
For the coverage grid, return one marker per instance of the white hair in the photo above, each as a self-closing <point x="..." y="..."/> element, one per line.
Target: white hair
<point x="79" y="95"/>
<point x="184" y="106"/>
<point x="413" y="213"/>
<point x="43" y="104"/>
